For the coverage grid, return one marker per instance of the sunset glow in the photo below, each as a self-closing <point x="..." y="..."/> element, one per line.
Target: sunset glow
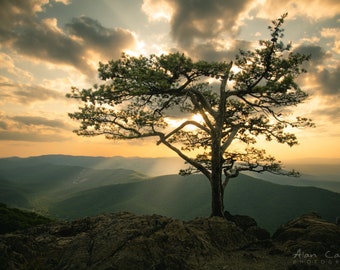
<point x="49" y="46"/>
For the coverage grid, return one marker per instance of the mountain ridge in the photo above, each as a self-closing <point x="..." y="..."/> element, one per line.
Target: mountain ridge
<point x="321" y="175"/>
<point x="70" y="192"/>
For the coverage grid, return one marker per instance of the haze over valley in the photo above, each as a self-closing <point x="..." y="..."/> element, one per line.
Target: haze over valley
<point x="69" y="187"/>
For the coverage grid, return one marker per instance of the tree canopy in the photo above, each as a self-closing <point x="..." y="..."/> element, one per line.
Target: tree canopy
<point x="236" y="103"/>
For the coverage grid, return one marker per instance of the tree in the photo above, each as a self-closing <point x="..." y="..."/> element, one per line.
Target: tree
<point x="139" y="95"/>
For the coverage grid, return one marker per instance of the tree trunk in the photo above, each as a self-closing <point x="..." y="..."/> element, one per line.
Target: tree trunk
<point x="217" y="207"/>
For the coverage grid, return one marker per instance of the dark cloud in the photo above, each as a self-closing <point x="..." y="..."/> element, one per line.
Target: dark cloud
<point x="26" y="94"/>
<point x="329" y="81"/>
<point x="42" y="41"/>
<point x="38" y="121"/>
<point x="208" y="51"/>
<point x="23" y="31"/>
<point x="14" y="14"/>
<point x="317" y="53"/>
<point x="107" y="41"/>
<point x="204" y="19"/>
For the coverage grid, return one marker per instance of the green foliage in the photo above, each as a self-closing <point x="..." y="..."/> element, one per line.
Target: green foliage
<point x="140" y="93"/>
<point x="12" y="219"/>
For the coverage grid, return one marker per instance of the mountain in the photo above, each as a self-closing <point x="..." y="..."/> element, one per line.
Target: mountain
<point x="147" y="166"/>
<point x="321" y="173"/>
<point x="48" y="185"/>
<point x="12" y="219"/>
<point x="189" y="197"/>
<point x="34" y="185"/>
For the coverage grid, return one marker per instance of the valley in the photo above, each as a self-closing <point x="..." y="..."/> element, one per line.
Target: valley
<point x="67" y="187"/>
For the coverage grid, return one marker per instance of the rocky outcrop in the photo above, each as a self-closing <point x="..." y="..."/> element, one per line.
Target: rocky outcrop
<point x="248" y="225"/>
<point x="310" y="234"/>
<point x="127" y="241"/>
<point x="122" y="241"/>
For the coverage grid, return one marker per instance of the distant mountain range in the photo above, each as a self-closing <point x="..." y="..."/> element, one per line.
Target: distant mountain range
<point x="147" y="166"/>
<point x="69" y="187"/>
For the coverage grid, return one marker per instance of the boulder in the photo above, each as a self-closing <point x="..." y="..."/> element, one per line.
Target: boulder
<point x="249" y="225"/>
<point x="309" y="233"/>
<point x="244" y="222"/>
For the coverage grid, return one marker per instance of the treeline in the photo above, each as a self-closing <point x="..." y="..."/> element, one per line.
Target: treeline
<point x="12" y="219"/>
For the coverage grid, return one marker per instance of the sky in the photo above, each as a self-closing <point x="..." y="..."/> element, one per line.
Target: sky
<point x="48" y="46"/>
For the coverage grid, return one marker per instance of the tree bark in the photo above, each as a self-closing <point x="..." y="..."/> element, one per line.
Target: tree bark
<point x="217" y="207"/>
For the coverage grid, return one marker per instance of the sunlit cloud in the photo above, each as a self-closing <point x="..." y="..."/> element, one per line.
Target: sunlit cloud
<point x="8" y="65"/>
<point x="12" y="92"/>
<point x="334" y="34"/>
<point x="157" y="10"/>
<point x="32" y="128"/>
<point x="313" y="9"/>
<point x="48" y="46"/>
<point x="65" y="2"/>
<point x="108" y="42"/>
<point x="38" y="121"/>
<point x="44" y="40"/>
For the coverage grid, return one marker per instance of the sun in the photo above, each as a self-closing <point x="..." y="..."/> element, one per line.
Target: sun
<point x="198" y="118"/>
<point x="174" y="122"/>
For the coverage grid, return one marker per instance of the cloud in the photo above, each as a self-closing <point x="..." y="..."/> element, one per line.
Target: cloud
<point x="318" y="57"/>
<point x="109" y="42"/>
<point x="329" y="80"/>
<point x="314" y="9"/>
<point x="158" y="10"/>
<point x="17" y="13"/>
<point x="333" y="33"/>
<point x="39" y="121"/>
<point x="32" y="128"/>
<point x="30" y="136"/>
<point x="44" y="41"/>
<point x="65" y="2"/>
<point x="7" y="64"/>
<point x="22" y="31"/>
<point x="24" y="93"/>
<point x="201" y="19"/>
<point x="317" y="53"/>
<point x="332" y="113"/>
<point x="216" y="50"/>
<point x="3" y="125"/>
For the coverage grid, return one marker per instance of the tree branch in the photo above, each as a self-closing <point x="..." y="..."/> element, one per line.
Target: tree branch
<point x="231" y="137"/>
<point x="194" y="163"/>
<point x="183" y="125"/>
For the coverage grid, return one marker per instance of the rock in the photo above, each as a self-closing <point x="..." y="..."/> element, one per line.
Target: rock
<point x="122" y="241"/>
<point x="303" y="267"/>
<point x="249" y="225"/>
<point x="241" y="221"/>
<point x="309" y="233"/>
<point x="259" y="233"/>
<point x="126" y="241"/>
